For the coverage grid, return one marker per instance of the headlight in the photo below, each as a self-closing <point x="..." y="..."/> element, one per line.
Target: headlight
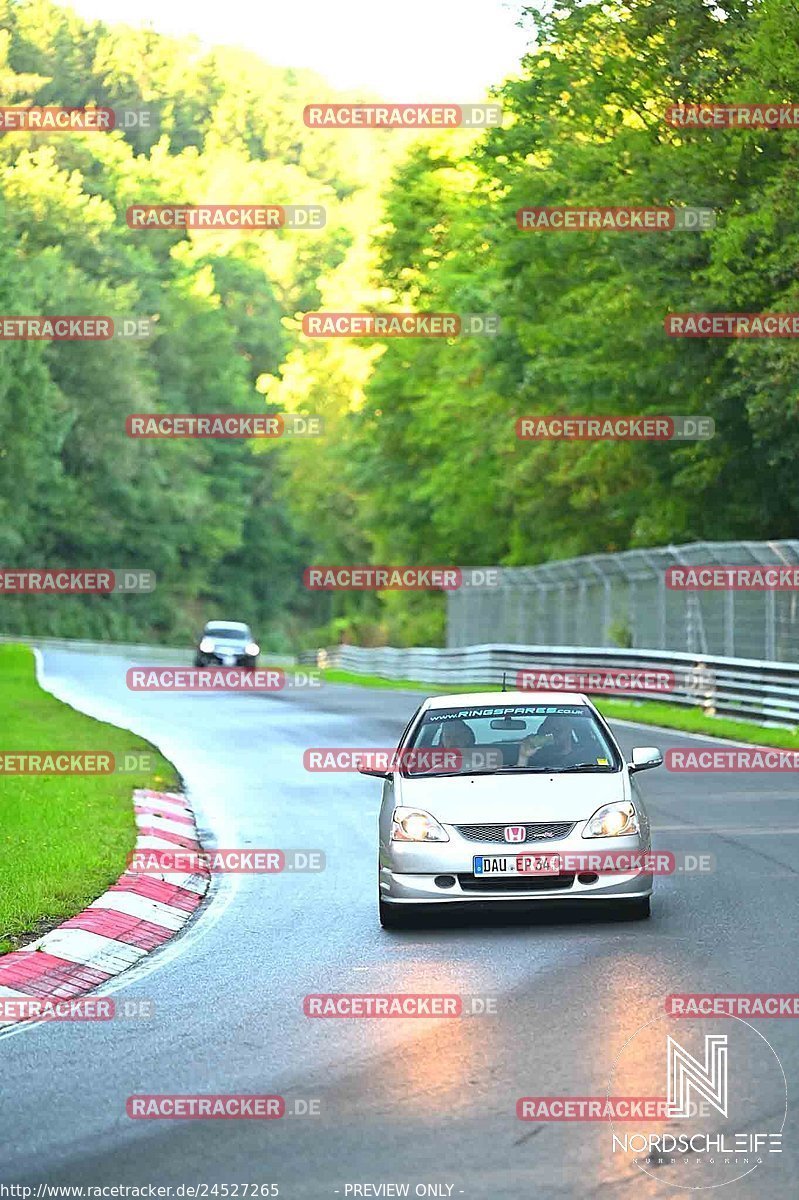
<point x="613" y="820"/>
<point x="207" y="645"/>
<point x="251" y="649"/>
<point x="415" y="825"/>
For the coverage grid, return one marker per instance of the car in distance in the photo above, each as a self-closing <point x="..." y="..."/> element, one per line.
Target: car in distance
<point x="226" y="644"/>
<point x="499" y="797"/>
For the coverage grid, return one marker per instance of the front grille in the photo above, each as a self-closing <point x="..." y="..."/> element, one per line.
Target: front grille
<point x="515" y="883"/>
<point x="533" y="833"/>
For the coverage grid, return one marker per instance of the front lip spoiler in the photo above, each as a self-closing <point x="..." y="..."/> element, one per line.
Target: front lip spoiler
<point x="460" y="900"/>
<point x="419" y="888"/>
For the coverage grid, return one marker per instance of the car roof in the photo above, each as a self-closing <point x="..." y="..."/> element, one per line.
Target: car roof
<point x="475" y="699"/>
<point x="230" y="624"/>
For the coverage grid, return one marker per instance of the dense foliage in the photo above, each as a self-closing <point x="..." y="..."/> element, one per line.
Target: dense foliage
<point x="206" y="516"/>
<point x="420" y="462"/>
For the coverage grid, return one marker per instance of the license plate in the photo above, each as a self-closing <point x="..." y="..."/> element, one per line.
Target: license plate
<point x="517" y="864"/>
<point x="228" y="660"/>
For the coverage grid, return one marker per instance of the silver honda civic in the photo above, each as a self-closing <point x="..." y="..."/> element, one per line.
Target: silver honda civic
<point x="496" y="797"/>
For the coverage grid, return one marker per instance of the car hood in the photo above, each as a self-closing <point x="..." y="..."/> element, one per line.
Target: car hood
<point x="513" y="799"/>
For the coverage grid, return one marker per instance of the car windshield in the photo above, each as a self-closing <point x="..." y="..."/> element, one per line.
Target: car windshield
<point x="228" y="633"/>
<point x="528" y="738"/>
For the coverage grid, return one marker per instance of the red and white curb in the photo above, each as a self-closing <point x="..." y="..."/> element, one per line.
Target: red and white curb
<point x="135" y="916"/>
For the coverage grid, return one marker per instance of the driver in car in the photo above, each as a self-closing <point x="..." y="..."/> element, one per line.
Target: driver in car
<point x="457" y="735"/>
<point x="551" y="746"/>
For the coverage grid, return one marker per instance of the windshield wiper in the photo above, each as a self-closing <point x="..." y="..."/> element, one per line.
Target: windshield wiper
<point x="468" y="774"/>
<point x="523" y="771"/>
<point x="444" y="774"/>
<point x="496" y="771"/>
<point x="580" y="767"/>
<point x="507" y="771"/>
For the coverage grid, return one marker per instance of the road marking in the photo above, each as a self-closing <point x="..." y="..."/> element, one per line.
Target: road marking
<point x="88" y="949"/>
<point x="222" y="889"/>
<point x="731" y="829"/>
<point x="143" y="908"/>
<point x="165" y="800"/>
<point x="147" y="841"/>
<point x="149" y="820"/>
<point x="697" y="737"/>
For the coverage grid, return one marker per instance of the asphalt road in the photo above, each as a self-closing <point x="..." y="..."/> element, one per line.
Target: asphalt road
<point x="427" y="1102"/>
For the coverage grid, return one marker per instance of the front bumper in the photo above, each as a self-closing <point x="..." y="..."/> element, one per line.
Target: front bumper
<point x="215" y="660"/>
<point x="409" y="873"/>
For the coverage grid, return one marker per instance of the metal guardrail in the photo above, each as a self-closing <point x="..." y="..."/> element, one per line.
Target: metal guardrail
<point x="746" y="688"/>
<point x="154" y="654"/>
<point x="742" y="687"/>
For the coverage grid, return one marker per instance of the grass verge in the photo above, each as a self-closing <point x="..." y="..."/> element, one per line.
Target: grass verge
<point x="63" y="838"/>
<point x="645" y="712"/>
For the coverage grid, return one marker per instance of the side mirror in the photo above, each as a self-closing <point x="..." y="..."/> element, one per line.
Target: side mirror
<point x="375" y="771"/>
<point x="644" y="758"/>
